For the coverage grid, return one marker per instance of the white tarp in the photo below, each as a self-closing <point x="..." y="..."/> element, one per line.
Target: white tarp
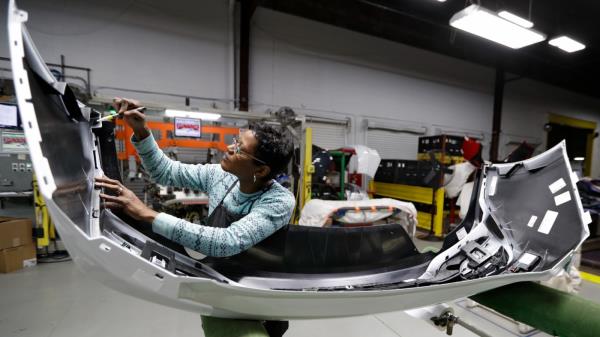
<point x="316" y="212"/>
<point x="458" y="179"/>
<point x="366" y="161"/>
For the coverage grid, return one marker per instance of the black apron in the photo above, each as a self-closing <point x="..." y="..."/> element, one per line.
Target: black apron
<point x="222" y="218"/>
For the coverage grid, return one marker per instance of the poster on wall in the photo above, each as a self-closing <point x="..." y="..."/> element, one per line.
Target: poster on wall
<point x="14" y="142"/>
<point x="188" y="127"/>
<point x="8" y="116"/>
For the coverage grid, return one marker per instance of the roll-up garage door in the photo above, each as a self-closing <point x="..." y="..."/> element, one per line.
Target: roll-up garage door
<point x="329" y="135"/>
<point x="393" y="145"/>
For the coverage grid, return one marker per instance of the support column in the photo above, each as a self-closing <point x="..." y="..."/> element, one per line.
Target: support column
<point x="247" y="9"/>
<point x="497" y="119"/>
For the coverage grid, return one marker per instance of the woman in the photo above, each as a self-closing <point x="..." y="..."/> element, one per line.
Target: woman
<point x="245" y="204"/>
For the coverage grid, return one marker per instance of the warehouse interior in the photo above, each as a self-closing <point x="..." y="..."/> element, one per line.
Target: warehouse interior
<point x="396" y="115"/>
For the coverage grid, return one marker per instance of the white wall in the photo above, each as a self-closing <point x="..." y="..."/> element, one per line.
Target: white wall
<point x="321" y="68"/>
<point x="325" y="70"/>
<point x="172" y="46"/>
<point x="183" y="47"/>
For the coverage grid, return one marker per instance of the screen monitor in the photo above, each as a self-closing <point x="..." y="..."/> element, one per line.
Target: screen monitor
<point x="9" y="116"/>
<point x="188" y="127"/>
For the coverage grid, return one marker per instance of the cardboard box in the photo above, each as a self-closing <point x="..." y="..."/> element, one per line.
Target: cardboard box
<point x="16" y="258"/>
<point x="15" y="232"/>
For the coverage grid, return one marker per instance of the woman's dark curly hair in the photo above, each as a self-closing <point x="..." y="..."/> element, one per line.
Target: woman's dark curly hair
<point x="274" y="147"/>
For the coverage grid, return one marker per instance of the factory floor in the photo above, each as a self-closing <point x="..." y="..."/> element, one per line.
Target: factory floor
<point x="58" y="300"/>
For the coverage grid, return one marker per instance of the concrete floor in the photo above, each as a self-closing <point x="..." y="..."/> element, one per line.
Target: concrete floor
<point x="58" y="300"/>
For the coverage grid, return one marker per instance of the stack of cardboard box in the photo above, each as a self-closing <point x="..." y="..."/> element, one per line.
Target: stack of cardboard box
<point x="17" y="248"/>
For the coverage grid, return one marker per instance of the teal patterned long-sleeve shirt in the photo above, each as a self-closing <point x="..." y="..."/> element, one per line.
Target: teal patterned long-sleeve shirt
<point x="269" y="211"/>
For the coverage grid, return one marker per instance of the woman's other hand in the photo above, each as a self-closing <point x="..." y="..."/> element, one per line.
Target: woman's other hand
<point x="125" y="200"/>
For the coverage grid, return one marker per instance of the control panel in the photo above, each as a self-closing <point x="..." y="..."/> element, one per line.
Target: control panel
<point x="16" y="172"/>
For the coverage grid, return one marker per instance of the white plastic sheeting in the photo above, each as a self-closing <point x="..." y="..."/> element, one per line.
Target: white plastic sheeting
<point x="461" y="173"/>
<point x="366" y="161"/>
<point x="316" y="212"/>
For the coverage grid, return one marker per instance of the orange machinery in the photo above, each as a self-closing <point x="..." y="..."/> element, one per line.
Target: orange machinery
<point x="123" y="133"/>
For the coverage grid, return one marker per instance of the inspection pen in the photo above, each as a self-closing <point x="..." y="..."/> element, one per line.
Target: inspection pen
<point x="110" y="117"/>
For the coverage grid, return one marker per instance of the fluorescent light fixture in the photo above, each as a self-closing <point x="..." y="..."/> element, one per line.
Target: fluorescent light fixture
<point x="441" y="0"/>
<point x="567" y="44"/>
<point x="579" y="158"/>
<point x="516" y="19"/>
<point x="192" y="114"/>
<point x="487" y="24"/>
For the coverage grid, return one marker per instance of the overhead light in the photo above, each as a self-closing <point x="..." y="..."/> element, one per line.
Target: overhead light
<point x="192" y="114"/>
<point x="567" y="44"/>
<point x="487" y="24"/>
<point x="579" y="158"/>
<point x="441" y="0"/>
<point x="516" y="19"/>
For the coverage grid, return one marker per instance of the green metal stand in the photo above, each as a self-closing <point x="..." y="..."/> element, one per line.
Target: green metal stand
<point x="342" y="157"/>
<point x="549" y="310"/>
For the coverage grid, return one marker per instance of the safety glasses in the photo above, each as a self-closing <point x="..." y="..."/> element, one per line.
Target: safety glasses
<point x="238" y="150"/>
